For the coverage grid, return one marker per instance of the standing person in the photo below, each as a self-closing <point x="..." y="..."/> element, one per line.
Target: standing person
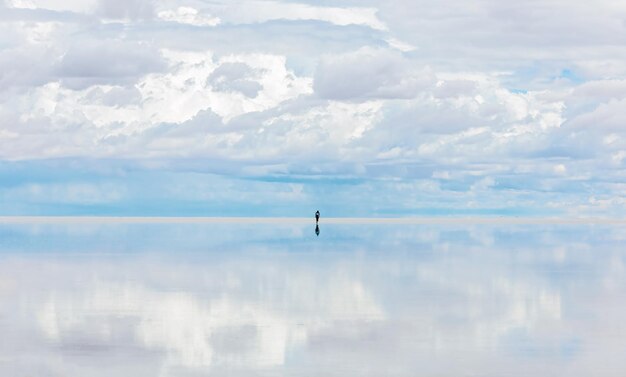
<point x="317" y="216"/>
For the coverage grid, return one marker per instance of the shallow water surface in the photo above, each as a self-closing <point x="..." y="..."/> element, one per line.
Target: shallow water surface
<point x="277" y="300"/>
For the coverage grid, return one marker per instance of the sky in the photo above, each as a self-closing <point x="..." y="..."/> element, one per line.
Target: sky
<point x="279" y="108"/>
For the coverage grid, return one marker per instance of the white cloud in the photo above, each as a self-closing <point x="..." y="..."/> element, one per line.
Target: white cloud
<point x="98" y="115"/>
<point x="235" y="77"/>
<point x="188" y="15"/>
<point x="80" y="6"/>
<point x="610" y="116"/>
<point x="601" y="90"/>
<point x="255" y="11"/>
<point x="126" y="9"/>
<point x="107" y="62"/>
<point x="369" y="73"/>
<point x="22" y="4"/>
<point x="393" y="83"/>
<point x="400" y="45"/>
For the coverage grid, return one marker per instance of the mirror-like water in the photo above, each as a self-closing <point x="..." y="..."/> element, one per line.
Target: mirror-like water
<point x="279" y="300"/>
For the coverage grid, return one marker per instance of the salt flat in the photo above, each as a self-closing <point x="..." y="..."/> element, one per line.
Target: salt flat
<point x="368" y="297"/>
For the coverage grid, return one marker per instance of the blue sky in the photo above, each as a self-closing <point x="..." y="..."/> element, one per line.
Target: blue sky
<point x="278" y="108"/>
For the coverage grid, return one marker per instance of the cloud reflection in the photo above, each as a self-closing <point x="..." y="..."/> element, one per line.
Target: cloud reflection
<point x="397" y="301"/>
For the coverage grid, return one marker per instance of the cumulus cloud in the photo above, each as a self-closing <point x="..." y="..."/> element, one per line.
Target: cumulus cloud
<point x="602" y="90"/>
<point x="369" y="90"/>
<point x="126" y="9"/>
<point x="254" y="11"/>
<point x="235" y="77"/>
<point x="21" y="68"/>
<point x="455" y="88"/>
<point x="116" y="96"/>
<point x="369" y="73"/>
<point x="107" y="62"/>
<point x="188" y="15"/>
<point x="79" y="6"/>
<point x="608" y="116"/>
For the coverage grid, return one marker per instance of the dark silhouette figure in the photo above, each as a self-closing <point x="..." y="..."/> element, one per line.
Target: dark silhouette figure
<point x="317" y="216"/>
<point x="317" y="230"/>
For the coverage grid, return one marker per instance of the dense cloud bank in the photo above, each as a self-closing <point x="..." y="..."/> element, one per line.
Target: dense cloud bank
<point x="520" y="101"/>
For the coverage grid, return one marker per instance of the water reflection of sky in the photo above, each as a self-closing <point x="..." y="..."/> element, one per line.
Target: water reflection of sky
<point x="274" y="300"/>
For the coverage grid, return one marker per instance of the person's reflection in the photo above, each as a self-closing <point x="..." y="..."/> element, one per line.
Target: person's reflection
<point x="317" y="230"/>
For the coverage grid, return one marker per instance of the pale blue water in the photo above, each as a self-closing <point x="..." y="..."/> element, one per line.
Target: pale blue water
<point x="277" y="300"/>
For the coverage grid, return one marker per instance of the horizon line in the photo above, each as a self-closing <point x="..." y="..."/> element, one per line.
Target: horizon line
<point x="419" y="220"/>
